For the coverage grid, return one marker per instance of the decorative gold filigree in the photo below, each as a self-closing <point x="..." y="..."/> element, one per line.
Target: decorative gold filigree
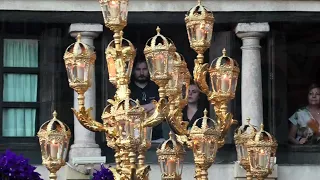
<point x="86" y="120"/>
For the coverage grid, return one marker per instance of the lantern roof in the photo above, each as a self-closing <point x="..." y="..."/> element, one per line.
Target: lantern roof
<point x="245" y="132"/>
<point x="159" y="43"/>
<point x="79" y="51"/>
<point x="54" y="130"/>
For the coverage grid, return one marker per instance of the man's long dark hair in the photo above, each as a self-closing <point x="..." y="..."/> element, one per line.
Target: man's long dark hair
<point x="138" y="61"/>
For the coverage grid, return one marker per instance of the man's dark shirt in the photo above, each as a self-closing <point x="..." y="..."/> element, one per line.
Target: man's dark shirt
<point x="145" y="96"/>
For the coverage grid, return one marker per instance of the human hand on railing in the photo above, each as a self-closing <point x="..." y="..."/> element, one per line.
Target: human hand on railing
<point x="149" y="108"/>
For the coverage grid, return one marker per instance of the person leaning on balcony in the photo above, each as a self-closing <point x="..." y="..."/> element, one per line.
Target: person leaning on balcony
<point x="145" y="90"/>
<point x="305" y="121"/>
<point x="196" y="105"/>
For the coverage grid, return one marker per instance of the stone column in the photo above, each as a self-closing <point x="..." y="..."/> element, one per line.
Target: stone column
<point x="251" y="83"/>
<point x="84" y="140"/>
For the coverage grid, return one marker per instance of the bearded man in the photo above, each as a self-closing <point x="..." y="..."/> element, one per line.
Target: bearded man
<point x="145" y="90"/>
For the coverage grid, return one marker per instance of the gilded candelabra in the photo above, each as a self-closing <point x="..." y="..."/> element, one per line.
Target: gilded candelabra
<point x="54" y="137"/>
<point x="127" y="126"/>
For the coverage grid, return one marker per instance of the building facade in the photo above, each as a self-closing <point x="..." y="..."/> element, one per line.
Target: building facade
<point x="275" y="42"/>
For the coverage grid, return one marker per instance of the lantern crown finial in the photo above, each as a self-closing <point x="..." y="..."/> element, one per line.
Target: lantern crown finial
<point x="205" y="113"/>
<point x="78" y="37"/>
<point x="55" y="114"/>
<point x="245" y="132"/>
<point x="158" y="30"/>
<point x="224" y="52"/>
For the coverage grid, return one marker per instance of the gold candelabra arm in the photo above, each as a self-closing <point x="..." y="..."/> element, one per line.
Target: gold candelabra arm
<point x="142" y="173"/>
<point x="176" y="123"/>
<point x="199" y="73"/>
<point x="183" y="139"/>
<point x="86" y="120"/>
<point x="158" y="115"/>
<point x="116" y="175"/>
<point x="225" y="122"/>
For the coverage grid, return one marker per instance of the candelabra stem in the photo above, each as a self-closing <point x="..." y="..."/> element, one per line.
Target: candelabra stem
<point x="204" y="174"/>
<point x="141" y="159"/>
<point x="201" y="172"/>
<point x="53" y="176"/>
<point x="200" y="58"/>
<point x="162" y="92"/>
<point x="132" y="159"/>
<point x="117" y="38"/>
<point x="117" y="159"/>
<point x="81" y="100"/>
<point x="249" y="175"/>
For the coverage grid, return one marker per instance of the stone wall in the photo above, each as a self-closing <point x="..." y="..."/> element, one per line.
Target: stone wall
<point x="164" y="5"/>
<point x="223" y="172"/>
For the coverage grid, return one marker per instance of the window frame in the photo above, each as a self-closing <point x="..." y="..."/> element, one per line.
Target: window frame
<point x="19" y="143"/>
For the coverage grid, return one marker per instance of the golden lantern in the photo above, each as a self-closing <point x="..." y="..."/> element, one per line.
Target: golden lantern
<point x="120" y="66"/>
<point x="171" y="156"/>
<point x="199" y="24"/>
<point x="204" y="143"/>
<point x="261" y="149"/>
<point x="54" y="137"/>
<point x="115" y="13"/>
<point x="224" y="72"/>
<point x="79" y="60"/>
<point x="157" y="51"/>
<point x="242" y="135"/>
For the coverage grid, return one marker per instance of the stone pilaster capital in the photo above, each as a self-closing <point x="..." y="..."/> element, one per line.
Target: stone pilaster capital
<point x="252" y="30"/>
<point x="87" y="30"/>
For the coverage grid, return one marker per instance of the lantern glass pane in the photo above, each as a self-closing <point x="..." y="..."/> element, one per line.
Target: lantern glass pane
<point x="54" y="150"/>
<point x="44" y="150"/>
<point x="162" y="166"/>
<point x="111" y="67"/>
<point x="179" y="166"/>
<point x="225" y="83"/>
<point x="65" y="149"/>
<point x="263" y="159"/>
<point x="171" y="166"/>
<point x="147" y="134"/>
<point x="234" y="84"/>
<point x="150" y="65"/>
<point x="70" y="73"/>
<point x="124" y="10"/>
<point x="208" y="32"/>
<point x="239" y="155"/>
<point x="214" y="82"/>
<point x="113" y="10"/>
<point x="129" y="66"/>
